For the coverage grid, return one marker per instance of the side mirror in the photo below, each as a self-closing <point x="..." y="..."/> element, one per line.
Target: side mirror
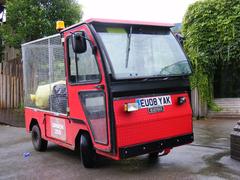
<point x="79" y="42"/>
<point x="180" y="38"/>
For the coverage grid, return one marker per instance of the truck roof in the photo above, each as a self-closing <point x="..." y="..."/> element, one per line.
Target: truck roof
<point x="115" y="21"/>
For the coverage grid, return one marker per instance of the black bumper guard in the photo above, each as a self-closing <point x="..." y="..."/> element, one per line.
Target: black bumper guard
<point x="155" y="146"/>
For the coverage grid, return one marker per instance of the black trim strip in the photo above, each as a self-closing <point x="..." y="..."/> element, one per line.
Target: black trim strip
<point x="150" y="95"/>
<point x="78" y="121"/>
<point x="136" y="88"/>
<point x="173" y="84"/>
<point x="156" y="146"/>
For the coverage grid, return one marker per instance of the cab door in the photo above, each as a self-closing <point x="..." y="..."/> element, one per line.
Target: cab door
<point x="87" y="95"/>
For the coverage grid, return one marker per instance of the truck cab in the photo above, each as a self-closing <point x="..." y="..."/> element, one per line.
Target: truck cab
<point x="109" y="87"/>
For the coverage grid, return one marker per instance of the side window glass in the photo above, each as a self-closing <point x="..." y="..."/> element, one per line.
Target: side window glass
<point x="71" y="56"/>
<point x="83" y="67"/>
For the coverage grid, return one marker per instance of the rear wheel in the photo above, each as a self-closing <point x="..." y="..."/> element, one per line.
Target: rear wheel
<point x="88" y="153"/>
<point x="39" y="144"/>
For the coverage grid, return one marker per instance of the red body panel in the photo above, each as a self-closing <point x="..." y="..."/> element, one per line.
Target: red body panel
<point x="43" y="119"/>
<point x="140" y="127"/>
<point x="31" y="114"/>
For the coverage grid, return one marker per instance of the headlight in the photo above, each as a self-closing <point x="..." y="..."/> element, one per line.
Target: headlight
<point x="129" y="107"/>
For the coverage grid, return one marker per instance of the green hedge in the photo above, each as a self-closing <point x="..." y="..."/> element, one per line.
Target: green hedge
<point x="212" y="32"/>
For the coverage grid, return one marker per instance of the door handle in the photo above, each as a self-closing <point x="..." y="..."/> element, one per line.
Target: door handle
<point x="100" y="86"/>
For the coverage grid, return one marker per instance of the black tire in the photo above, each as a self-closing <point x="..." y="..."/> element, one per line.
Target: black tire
<point x="39" y="144"/>
<point x="153" y="156"/>
<point x="88" y="153"/>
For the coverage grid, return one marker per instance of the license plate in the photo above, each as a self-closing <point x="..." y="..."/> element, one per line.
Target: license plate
<point x="156" y="101"/>
<point x="155" y="109"/>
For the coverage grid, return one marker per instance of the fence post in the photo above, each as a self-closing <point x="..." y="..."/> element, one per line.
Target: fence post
<point x="199" y="108"/>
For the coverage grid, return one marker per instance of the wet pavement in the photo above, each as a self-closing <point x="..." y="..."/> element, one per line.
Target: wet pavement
<point x="207" y="158"/>
<point x="213" y="132"/>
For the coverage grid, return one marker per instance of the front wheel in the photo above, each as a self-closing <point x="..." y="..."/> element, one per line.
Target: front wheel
<point x="88" y="153"/>
<point x="39" y="144"/>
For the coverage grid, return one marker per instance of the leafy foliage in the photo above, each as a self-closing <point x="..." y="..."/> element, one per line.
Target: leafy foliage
<point x="31" y="19"/>
<point x="212" y="32"/>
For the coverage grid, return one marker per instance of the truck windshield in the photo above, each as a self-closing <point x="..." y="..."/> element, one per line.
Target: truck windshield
<point x="143" y="52"/>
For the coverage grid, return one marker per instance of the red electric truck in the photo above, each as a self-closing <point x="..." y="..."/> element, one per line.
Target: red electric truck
<point x="109" y="87"/>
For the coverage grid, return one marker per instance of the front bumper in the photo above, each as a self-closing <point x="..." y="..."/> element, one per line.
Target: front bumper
<point x="126" y="152"/>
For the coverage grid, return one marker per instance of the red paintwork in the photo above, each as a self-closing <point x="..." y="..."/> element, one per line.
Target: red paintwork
<point x="139" y="126"/>
<point x="131" y="127"/>
<point x="43" y="121"/>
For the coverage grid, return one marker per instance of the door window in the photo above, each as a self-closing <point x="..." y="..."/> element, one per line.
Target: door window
<point x="94" y="108"/>
<point x="83" y="67"/>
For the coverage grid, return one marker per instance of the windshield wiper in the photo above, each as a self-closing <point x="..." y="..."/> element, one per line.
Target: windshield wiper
<point x="128" y="46"/>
